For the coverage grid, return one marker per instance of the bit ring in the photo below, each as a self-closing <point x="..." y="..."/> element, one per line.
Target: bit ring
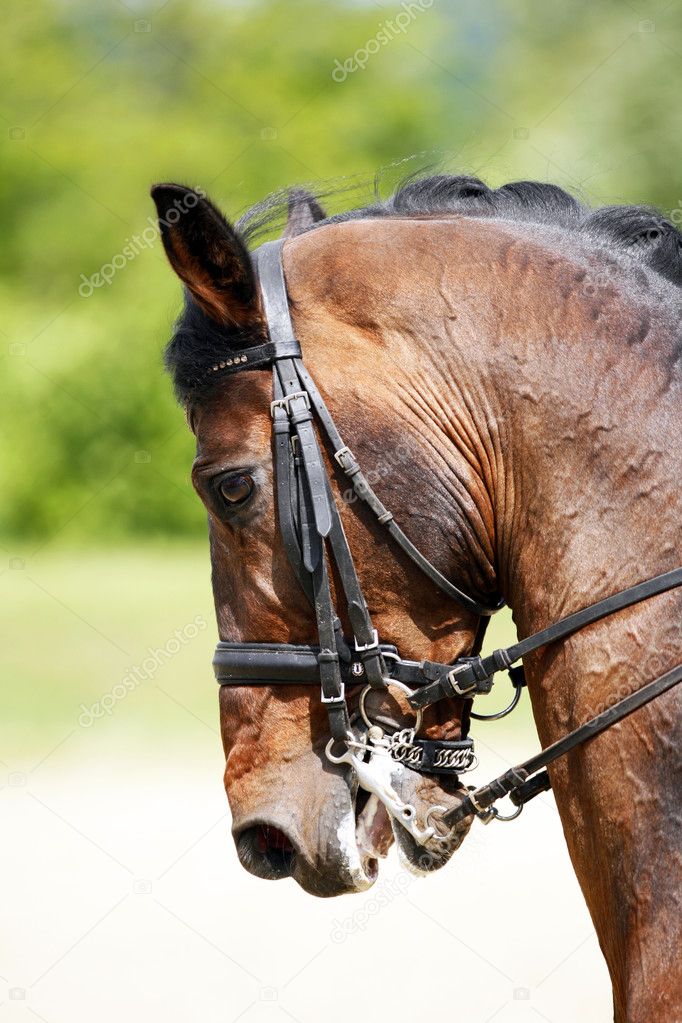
<point x="399" y="685"/>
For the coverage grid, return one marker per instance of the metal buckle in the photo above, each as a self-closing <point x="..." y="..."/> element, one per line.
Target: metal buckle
<point x="340" y="698"/>
<point x="284" y="402"/>
<point x="363" y="648"/>
<point x="457" y="688"/>
<point x="345" y="453"/>
<point x="485" y="814"/>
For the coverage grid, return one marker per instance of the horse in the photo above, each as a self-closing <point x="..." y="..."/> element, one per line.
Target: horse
<point x="507" y="362"/>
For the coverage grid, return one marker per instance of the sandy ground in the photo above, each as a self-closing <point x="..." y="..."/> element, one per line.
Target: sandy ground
<point x="122" y="898"/>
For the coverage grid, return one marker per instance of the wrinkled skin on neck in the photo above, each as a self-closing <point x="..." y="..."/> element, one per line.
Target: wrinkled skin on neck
<point x="485" y="370"/>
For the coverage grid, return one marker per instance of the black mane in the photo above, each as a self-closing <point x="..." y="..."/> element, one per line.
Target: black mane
<point x="644" y="233"/>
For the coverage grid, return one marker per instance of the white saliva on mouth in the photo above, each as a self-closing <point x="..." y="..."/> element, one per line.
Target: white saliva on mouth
<point x="416" y="859"/>
<point x="373" y="816"/>
<point x="389" y="773"/>
<point x="350" y="852"/>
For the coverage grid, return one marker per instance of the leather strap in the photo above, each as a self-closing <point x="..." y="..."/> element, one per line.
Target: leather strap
<point x="473" y="675"/>
<point x="298" y="409"/>
<point x="286" y="489"/>
<point x="286" y="663"/>
<point x="364" y="633"/>
<point x="517" y="779"/>
<point x="347" y="462"/>
<point x="268" y="260"/>
<point x="332" y="686"/>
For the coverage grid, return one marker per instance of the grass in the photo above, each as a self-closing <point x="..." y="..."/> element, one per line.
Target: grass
<point x="81" y="628"/>
<point x="81" y="622"/>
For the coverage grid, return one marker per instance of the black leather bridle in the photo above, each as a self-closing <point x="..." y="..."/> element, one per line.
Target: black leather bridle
<point x="312" y="533"/>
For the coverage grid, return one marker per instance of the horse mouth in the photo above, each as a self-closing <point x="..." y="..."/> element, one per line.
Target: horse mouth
<point x="373" y="832"/>
<point x="434" y="854"/>
<point x="343" y="851"/>
<point x="376" y="830"/>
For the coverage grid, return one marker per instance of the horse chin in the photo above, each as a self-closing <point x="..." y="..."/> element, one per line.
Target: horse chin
<point x="424" y="793"/>
<point x="376" y="831"/>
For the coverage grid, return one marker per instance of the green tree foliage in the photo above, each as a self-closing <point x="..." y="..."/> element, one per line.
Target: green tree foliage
<point x="243" y="98"/>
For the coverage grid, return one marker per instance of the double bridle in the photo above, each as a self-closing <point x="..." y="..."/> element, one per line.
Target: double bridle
<point x="312" y="533"/>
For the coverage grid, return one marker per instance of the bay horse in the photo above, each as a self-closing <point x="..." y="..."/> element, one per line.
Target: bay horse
<point x="508" y="362"/>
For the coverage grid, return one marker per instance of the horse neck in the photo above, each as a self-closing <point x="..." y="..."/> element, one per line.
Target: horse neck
<point x="590" y="460"/>
<point x="588" y="503"/>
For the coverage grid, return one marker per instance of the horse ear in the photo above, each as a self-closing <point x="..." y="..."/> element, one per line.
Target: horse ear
<point x="207" y="254"/>
<point x="304" y="211"/>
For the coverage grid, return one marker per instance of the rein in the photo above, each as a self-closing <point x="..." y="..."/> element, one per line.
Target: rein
<point x="312" y="533"/>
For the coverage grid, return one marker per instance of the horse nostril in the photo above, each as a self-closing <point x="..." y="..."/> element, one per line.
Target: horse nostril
<point x="266" y="851"/>
<point x="269" y="839"/>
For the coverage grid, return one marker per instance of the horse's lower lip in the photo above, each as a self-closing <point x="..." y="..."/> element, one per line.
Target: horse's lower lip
<point x="372" y="832"/>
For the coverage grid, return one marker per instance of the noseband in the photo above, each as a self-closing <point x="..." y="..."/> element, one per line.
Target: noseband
<point x="313" y="536"/>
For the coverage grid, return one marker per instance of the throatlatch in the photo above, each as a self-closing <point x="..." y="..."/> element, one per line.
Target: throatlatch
<point x="312" y="534"/>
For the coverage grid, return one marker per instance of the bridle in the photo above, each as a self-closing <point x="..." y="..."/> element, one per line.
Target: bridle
<point x="313" y="535"/>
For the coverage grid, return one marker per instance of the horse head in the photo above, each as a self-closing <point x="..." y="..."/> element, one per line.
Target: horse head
<point x="358" y="322"/>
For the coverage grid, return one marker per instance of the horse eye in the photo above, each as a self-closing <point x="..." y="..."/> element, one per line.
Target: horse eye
<point x="236" y="490"/>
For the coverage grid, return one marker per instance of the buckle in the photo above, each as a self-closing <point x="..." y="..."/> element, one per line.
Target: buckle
<point x="484" y="813"/>
<point x="345" y="458"/>
<point x="284" y="402"/>
<point x="363" y="648"/>
<point x="461" y="690"/>
<point x="338" y="699"/>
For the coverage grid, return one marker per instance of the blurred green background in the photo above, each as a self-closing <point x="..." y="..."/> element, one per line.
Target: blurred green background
<point x="102" y="539"/>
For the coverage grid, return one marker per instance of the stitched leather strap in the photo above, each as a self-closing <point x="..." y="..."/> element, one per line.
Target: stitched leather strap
<point x="286" y="489"/>
<point x="298" y="409"/>
<point x="268" y="260"/>
<point x="267" y="664"/>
